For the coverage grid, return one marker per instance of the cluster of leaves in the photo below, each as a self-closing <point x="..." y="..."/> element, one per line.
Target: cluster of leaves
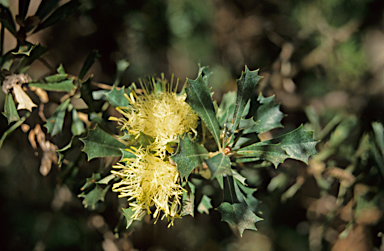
<point x="230" y="142"/>
<point x="228" y="134"/>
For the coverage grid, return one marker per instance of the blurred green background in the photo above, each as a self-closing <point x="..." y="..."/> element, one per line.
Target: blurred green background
<point x="323" y="60"/>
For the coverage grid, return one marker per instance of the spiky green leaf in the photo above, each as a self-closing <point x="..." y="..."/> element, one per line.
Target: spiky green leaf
<point x="204" y="205"/>
<point x="298" y="144"/>
<point x="94" y="196"/>
<point x="117" y="98"/>
<point x="267" y="117"/>
<point x="55" y="123"/>
<point x="189" y="155"/>
<point x="219" y="164"/>
<point x="199" y="98"/>
<point x="239" y="215"/>
<point x="77" y="126"/>
<point x="245" y="86"/>
<point x="10" y="109"/>
<point x="99" y="143"/>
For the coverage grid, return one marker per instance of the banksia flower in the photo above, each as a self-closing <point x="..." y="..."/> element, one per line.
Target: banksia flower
<point x="149" y="179"/>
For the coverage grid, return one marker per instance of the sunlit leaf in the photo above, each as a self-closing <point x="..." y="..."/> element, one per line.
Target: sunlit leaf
<point x="55" y="123"/>
<point x="98" y="143"/>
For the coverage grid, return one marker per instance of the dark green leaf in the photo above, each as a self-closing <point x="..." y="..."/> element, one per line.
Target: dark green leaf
<point x="230" y="193"/>
<point x="117" y="98"/>
<point x="86" y="94"/>
<point x="188" y="201"/>
<point x="64" y="86"/>
<point x="77" y="126"/>
<point x="204" y="205"/>
<point x="10" y="109"/>
<point x="219" y="164"/>
<point x="89" y="61"/>
<point x="45" y="7"/>
<point x="298" y="144"/>
<point x="23" y="9"/>
<point x="239" y="215"/>
<point x="94" y="196"/>
<point x="272" y="153"/>
<point x="199" y="98"/>
<point x="13" y="127"/>
<point x="268" y="115"/>
<point x="34" y="54"/>
<point x="98" y="143"/>
<point x="6" y="19"/>
<point x="55" y="123"/>
<point x="245" y="86"/>
<point x="59" y="14"/>
<point x="189" y="156"/>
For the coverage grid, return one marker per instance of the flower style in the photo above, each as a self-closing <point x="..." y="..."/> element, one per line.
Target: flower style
<point x="149" y="181"/>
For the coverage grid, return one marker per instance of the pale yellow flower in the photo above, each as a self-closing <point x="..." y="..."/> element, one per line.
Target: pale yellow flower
<point x="162" y="115"/>
<point x="147" y="181"/>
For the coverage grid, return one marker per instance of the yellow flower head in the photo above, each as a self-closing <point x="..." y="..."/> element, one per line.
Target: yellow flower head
<point x="162" y="115"/>
<point x="149" y="181"/>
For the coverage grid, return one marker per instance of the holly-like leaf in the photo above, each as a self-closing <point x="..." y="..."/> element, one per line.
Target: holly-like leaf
<point x="298" y="144"/>
<point x="63" y="86"/>
<point x="10" y="109"/>
<point x="204" y="205"/>
<point x="77" y="126"/>
<point x="55" y="123"/>
<point x="245" y="86"/>
<point x="272" y="153"/>
<point x="94" y="196"/>
<point x="199" y="98"/>
<point x="189" y="156"/>
<point x="268" y="115"/>
<point x="238" y="215"/>
<point x="219" y="164"/>
<point x="23" y="99"/>
<point x="230" y="193"/>
<point x="89" y="182"/>
<point x="58" y="82"/>
<point x="117" y="98"/>
<point x="99" y="143"/>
